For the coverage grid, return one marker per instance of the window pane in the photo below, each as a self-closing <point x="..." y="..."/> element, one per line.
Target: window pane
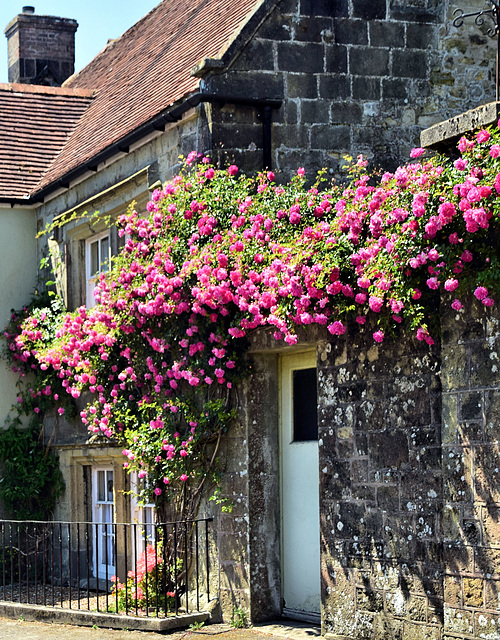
<point x="148" y="515"/>
<point x="101" y="493"/>
<point x="104" y="254"/>
<point x="305" y="405"/>
<point x="110" y="486"/>
<point x="94" y="258"/>
<point x="148" y="519"/>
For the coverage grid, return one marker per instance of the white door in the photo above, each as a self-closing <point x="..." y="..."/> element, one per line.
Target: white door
<point x="103" y="527"/>
<point x="300" y="539"/>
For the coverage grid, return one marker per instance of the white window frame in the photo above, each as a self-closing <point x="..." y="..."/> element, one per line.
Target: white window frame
<point x="103" y="529"/>
<point x="141" y="515"/>
<point x="94" y="268"/>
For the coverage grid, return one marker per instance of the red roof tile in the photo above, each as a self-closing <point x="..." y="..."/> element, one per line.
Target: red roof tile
<point x="146" y="70"/>
<point x="35" y="123"/>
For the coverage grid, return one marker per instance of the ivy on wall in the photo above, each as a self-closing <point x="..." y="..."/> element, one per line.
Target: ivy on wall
<point x="31" y="480"/>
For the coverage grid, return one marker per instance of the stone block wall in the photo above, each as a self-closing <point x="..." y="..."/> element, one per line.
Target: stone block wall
<point x="471" y="473"/>
<point x="380" y="488"/>
<point x="264" y="488"/>
<point x="409" y="459"/>
<point x="357" y="76"/>
<point x="248" y="539"/>
<point x="230" y="579"/>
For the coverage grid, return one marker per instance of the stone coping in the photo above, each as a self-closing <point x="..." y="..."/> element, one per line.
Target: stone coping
<point x="446" y="134"/>
<point x="39" y="613"/>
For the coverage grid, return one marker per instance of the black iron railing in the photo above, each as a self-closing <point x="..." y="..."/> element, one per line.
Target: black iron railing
<point x="132" y="569"/>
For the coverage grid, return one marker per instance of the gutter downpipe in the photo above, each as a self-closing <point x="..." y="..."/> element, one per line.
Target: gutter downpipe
<point x="265" y="106"/>
<point x="267" y="119"/>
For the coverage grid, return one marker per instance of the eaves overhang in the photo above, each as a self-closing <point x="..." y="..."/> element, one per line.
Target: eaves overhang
<point x="123" y="145"/>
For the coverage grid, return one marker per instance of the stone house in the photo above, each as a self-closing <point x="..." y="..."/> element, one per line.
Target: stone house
<point x="402" y="539"/>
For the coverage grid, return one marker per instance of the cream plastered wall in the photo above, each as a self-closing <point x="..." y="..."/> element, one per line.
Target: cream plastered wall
<point x="18" y="274"/>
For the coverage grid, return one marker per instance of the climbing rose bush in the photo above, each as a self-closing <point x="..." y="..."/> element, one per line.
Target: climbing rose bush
<point x="220" y="254"/>
<point x="146" y="586"/>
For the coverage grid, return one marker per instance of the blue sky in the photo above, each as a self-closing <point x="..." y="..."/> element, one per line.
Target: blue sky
<point x="98" y="21"/>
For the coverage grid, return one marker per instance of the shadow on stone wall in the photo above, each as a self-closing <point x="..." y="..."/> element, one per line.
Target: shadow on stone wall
<point x="381" y="487"/>
<point x="471" y="468"/>
<point x="410" y="463"/>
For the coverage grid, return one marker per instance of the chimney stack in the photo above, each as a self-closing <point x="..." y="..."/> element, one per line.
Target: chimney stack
<point x="41" y="48"/>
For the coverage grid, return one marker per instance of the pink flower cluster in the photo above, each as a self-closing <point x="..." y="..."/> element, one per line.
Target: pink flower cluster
<point x="221" y="255"/>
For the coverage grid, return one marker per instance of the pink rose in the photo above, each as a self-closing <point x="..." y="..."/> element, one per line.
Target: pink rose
<point x="451" y="284"/>
<point x="417" y="152"/>
<point x="483" y="136"/>
<point x="375" y="303"/>
<point x="481" y="293"/>
<point x="433" y="283"/>
<point x="337" y="328"/>
<point x="463" y="144"/>
<point x="495" y="150"/>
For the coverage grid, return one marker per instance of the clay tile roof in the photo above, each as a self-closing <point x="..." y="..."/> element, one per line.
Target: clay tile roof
<point x="146" y="70"/>
<point x="35" y="123"/>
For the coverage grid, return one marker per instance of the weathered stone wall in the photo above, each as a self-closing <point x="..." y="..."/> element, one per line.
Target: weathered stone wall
<point x="409" y="502"/>
<point x="471" y="468"/>
<point x="248" y="539"/>
<point x="264" y="488"/>
<point x="355" y="76"/>
<point x="231" y="529"/>
<point x="380" y="488"/>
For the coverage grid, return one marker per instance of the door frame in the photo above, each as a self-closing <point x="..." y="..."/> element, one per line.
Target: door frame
<point x="101" y="569"/>
<point x="288" y="363"/>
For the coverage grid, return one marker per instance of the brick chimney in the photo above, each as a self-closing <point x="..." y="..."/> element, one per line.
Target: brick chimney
<point x="41" y="48"/>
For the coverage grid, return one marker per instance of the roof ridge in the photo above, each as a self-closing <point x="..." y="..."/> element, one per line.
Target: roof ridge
<point x="19" y="87"/>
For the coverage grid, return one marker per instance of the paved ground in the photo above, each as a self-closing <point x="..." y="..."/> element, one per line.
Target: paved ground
<point x="23" y="630"/>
